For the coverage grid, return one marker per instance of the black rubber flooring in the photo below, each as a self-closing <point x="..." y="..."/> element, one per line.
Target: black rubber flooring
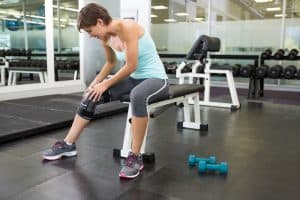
<point x="260" y="142"/>
<point x="23" y="117"/>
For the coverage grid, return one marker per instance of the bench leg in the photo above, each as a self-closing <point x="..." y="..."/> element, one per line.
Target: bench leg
<point x="2" y="72"/>
<point x="45" y="76"/>
<point x="232" y="89"/>
<point x="197" y="110"/>
<point x="127" y="135"/>
<point x="186" y="110"/>
<point x="75" y="75"/>
<point x="187" y="123"/>
<point x="207" y="88"/>
<point x="14" y="78"/>
<point x="9" y="81"/>
<point x="41" y="75"/>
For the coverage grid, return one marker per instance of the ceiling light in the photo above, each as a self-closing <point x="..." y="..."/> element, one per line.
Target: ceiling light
<point x="199" y="18"/>
<point x="10" y="19"/>
<point x="263" y="1"/>
<point x="154" y="16"/>
<point x="161" y="7"/>
<point x="33" y="22"/>
<point x="68" y="9"/>
<point x="181" y="14"/>
<point x="273" y="9"/>
<point x="170" y="20"/>
<point x="35" y="16"/>
<point x="279" y="15"/>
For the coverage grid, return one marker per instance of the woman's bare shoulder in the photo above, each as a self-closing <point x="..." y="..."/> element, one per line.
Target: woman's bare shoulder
<point x="131" y="27"/>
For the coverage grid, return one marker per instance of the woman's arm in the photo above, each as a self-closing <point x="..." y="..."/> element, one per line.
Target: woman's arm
<point x="129" y="34"/>
<point x="110" y="63"/>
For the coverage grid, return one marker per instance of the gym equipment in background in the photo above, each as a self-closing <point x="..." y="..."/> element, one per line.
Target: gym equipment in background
<point x="261" y="72"/>
<point x="247" y="71"/>
<point x="275" y="71"/>
<point x="289" y="72"/>
<point x="293" y="54"/>
<point x="199" y="52"/>
<point x="266" y="54"/>
<point x="279" y="54"/>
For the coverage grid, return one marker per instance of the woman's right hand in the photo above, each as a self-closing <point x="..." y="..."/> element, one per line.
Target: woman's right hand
<point x="93" y="83"/>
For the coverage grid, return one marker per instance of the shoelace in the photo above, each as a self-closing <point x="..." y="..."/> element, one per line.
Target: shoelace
<point x="130" y="161"/>
<point x="57" y="145"/>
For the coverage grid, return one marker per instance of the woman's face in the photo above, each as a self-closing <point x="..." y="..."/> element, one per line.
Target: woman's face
<point x="97" y="31"/>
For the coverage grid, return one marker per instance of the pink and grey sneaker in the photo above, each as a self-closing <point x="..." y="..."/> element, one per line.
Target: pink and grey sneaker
<point x="59" y="150"/>
<point x="133" y="165"/>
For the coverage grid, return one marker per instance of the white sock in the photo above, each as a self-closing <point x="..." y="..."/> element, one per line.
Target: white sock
<point x="68" y="143"/>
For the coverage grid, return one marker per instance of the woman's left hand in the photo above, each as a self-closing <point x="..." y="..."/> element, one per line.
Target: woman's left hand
<point x="96" y="92"/>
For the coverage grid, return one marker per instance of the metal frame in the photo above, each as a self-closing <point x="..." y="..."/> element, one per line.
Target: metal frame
<point x="235" y="104"/>
<point x="12" y="76"/>
<point x="2" y="71"/>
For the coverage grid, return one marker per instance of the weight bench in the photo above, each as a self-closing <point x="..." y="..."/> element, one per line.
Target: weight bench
<point x="12" y="76"/>
<point x="199" y="52"/>
<point x="178" y="94"/>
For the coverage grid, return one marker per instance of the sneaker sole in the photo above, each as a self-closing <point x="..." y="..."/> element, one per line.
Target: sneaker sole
<point x="133" y="176"/>
<point x="66" y="154"/>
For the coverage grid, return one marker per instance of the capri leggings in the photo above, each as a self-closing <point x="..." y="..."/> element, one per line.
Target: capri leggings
<point x="142" y="91"/>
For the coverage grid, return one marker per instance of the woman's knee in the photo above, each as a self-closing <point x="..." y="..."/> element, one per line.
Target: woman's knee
<point x="87" y="106"/>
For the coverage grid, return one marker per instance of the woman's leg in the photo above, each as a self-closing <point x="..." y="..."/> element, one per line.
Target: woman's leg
<point x="76" y="129"/>
<point x="145" y="92"/>
<point x="67" y="147"/>
<point x="139" y="126"/>
<point x="140" y="96"/>
<point x="84" y="114"/>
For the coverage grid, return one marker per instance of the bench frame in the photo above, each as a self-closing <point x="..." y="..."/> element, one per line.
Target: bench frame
<point x="12" y="76"/>
<point x="187" y="123"/>
<point x="233" y="105"/>
<point x="2" y="71"/>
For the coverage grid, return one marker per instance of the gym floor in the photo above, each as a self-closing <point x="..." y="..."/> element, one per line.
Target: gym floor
<point x="260" y="142"/>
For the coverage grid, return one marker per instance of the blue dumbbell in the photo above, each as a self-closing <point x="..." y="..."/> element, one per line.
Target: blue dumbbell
<point x="222" y="168"/>
<point x="193" y="160"/>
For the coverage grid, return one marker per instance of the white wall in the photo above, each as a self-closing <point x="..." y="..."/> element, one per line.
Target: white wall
<point x="92" y="53"/>
<point x="176" y="37"/>
<point x="179" y="37"/>
<point x="141" y="8"/>
<point x="37" y="40"/>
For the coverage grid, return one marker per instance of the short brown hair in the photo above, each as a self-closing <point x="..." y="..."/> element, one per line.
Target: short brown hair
<point x="89" y="15"/>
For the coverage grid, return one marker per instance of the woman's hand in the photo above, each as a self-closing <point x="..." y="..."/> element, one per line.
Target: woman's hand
<point x="97" y="90"/>
<point x="93" y="83"/>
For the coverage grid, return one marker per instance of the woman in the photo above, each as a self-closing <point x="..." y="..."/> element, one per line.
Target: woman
<point x="143" y="76"/>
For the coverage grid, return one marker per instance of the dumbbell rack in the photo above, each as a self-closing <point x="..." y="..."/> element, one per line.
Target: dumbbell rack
<point x="255" y="58"/>
<point x="13" y="72"/>
<point x="260" y="91"/>
<point x="56" y="55"/>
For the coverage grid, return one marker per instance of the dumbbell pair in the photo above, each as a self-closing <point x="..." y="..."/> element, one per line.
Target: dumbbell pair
<point x="279" y="54"/>
<point x="208" y="164"/>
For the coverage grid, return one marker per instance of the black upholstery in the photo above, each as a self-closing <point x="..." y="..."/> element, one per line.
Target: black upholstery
<point x="42" y="69"/>
<point x="174" y="91"/>
<point x="203" y="45"/>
